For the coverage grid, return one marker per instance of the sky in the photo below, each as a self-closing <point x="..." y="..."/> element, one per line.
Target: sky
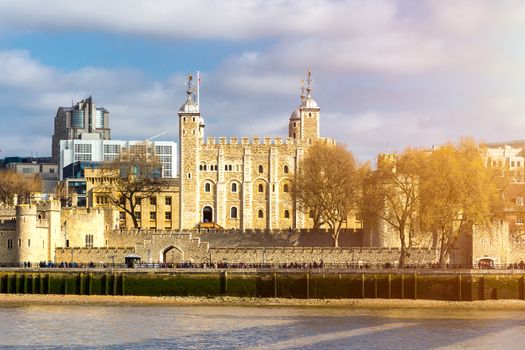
<point x="387" y="74"/>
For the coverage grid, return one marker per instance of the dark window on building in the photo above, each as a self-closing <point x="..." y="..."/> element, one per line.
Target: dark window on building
<point x="286" y="188"/>
<point x="261" y="188"/>
<point x="122" y="215"/>
<point x="89" y="241"/>
<point x="286" y="214"/>
<point x="261" y="169"/>
<point x="230" y="167"/>
<point x="29" y="243"/>
<point x="260" y="214"/>
<point x="167" y="215"/>
<point x="234" y="187"/>
<point x="137" y="215"/>
<point x="9" y="244"/>
<point x="168" y="200"/>
<point x="67" y="243"/>
<point x="233" y="212"/>
<point x="207" y="187"/>
<point x="153" y="201"/>
<point x="285" y="169"/>
<point x="152" y="215"/>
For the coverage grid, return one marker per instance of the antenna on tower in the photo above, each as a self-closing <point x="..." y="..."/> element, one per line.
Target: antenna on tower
<point x="309" y="82"/>
<point x="302" y="89"/>
<point x="198" y="89"/>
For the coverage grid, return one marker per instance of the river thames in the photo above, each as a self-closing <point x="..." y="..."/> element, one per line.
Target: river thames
<point x="247" y="327"/>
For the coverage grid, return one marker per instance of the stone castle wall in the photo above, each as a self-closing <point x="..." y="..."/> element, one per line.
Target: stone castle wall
<point x="328" y="255"/>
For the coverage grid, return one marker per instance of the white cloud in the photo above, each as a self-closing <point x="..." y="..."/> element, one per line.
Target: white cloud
<point x="386" y="74"/>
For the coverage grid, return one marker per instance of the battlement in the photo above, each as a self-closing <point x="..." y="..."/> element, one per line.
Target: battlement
<point x="246" y="141"/>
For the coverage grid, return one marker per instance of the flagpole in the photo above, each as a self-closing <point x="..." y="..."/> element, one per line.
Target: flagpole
<point x="198" y="89"/>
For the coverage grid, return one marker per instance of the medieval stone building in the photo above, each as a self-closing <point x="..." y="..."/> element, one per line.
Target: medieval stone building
<point x="243" y="183"/>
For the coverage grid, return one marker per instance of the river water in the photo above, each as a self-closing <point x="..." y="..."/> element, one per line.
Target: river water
<point x="225" y="327"/>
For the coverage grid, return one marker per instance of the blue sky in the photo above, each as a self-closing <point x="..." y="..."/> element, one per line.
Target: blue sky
<point x="387" y="74"/>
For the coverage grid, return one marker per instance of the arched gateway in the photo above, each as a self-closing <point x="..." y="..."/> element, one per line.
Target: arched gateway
<point x="172" y="255"/>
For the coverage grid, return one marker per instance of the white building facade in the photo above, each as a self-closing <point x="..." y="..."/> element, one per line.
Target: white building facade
<point x="72" y="151"/>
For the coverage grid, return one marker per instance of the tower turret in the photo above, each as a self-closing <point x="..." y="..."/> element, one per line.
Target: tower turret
<point x="304" y="121"/>
<point x="191" y="133"/>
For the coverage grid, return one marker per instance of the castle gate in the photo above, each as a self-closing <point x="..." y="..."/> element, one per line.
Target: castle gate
<point x="172" y="255"/>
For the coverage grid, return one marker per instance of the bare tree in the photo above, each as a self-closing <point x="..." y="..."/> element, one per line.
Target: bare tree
<point x="458" y="191"/>
<point x="327" y="185"/>
<point x="391" y="194"/>
<point x="12" y="184"/>
<point x="137" y="172"/>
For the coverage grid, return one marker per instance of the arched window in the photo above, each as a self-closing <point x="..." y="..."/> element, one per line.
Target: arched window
<point x="285" y="188"/>
<point x="261" y="188"/>
<point x="285" y="169"/>
<point x="261" y="169"/>
<point x="260" y="214"/>
<point x="225" y="168"/>
<point x="230" y="167"/>
<point x="234" y="187"/>
<point x="207" y="187"/>
<point x="233" y="213"/>
<point x="294" y="135"/>
<point x="286" y="214"/>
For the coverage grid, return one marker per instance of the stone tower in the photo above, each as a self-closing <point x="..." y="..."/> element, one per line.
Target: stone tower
<point x="304" y="121"/>
<point x="191" y="132"/>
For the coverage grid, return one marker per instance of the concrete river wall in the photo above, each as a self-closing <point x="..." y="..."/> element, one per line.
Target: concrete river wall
<point x="432" y="285"/>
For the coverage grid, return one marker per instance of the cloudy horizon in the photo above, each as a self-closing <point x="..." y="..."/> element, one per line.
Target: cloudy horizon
<point x="387" y="74"/>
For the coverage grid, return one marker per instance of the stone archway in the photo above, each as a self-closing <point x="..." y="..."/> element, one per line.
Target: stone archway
<point x="172" y="255"/>
<point x="207" y="214"/>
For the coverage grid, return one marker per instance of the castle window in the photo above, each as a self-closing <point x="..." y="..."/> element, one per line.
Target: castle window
<point x="19" y="242"/>
<point x="230" y="167"/>
<point x="152" y="215"/>
<point x="168" y="201"/>
<point x="153" y="201"/>
<point x="260" y="214"/>
<point x="294" y="135"/>
<point x="261" y="188"/>
<point x="309" y="114"/>
<point x="9" y="244"/>
<point x="273" y="187"/>
<point x="184" y="119"/>
<point x="193" y="131"/>
<point x="233" y="213"/>
<point x="207" y="187"/>
<point x="189" y="175"/>
<point x="286" y="214"/>
<point x="286" y="188"/>
<point x="225" y="168"/>
<point x="261" y="169"/>
<point x="294" y="124"/>
<point x="193" y="119"/>
<point x="234" y="187"/>
<point x="89" y="241"/>
<point x="167" y="215"/>
<point x="285" y="169"/>
<point x="137" y="215"/>
<point x="67" y="243"/>
<point x="29" y="243"/>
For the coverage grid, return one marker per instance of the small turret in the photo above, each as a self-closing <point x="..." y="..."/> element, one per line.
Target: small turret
<point x="304" y="121"/>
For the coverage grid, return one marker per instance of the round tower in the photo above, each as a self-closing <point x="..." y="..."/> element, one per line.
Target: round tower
<point x="26" y="228"/>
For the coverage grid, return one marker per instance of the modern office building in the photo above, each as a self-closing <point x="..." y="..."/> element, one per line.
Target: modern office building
<point x="73" y="151"/>
<point x="82" y="121"/>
